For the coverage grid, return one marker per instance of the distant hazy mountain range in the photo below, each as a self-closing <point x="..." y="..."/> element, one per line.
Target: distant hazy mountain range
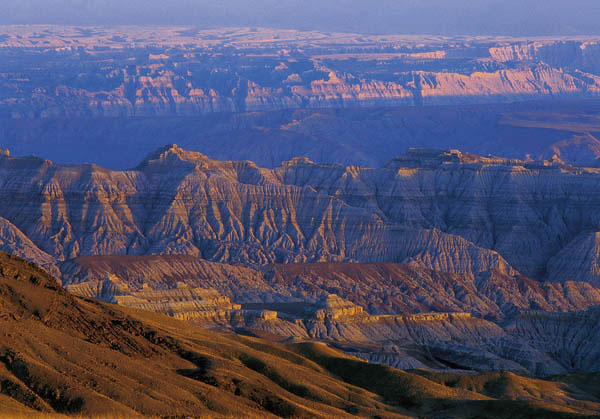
<point x="108" y="95"/>
<point x="144" y="71"/>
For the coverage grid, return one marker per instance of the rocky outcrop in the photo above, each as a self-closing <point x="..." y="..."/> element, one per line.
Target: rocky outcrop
<point x="334" y="307"/>
<point x="239" y="283"/>
<point x="181" y="302"/>
<point x="580" y="149"/>
<point x="447" y="211"/>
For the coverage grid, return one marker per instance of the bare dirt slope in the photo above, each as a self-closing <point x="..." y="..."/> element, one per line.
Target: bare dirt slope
<point x="70" y="355"/>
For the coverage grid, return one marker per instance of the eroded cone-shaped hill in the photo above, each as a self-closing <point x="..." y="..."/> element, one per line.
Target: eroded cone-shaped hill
<point x="70" y="355"/>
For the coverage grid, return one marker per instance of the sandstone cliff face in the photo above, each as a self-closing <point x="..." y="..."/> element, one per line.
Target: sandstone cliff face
<point x="181" y="302"/>
<point x="504" y="85"/>
<point x="446" y="211"/>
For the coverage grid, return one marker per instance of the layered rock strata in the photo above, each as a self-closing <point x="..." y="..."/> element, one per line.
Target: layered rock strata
<point x="381" y="288"/>
<point x="432" y="340"/>
<point x="169" y="74"/>
<point x="438" y="341"/>
<point x="181" y="302"/>
<point x="446" y="211"/>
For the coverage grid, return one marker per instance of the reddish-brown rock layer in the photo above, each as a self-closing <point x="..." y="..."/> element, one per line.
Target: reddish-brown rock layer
<point x="381" y="288"/>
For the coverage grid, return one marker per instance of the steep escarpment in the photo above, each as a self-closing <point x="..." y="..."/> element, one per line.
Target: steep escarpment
<point x="442" y="210"/>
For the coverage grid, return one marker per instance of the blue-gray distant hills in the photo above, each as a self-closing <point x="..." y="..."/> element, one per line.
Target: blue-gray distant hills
<point x="106" y="96"/>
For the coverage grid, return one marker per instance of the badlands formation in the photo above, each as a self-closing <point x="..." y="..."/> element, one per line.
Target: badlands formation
<point x="298" y="286"/>
<point x="446" y="260"/>
<point x="62" y="355"/>
<point x="442" y="210"/>
<point x="187" y="72"/>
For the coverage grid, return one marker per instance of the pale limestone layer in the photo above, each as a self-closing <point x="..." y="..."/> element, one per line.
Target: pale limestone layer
<point x="444" y="341"/>
<point x="382" y="288"/>
<point x="181" y="302"/>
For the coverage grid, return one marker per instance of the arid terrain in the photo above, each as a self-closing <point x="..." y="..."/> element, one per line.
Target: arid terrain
<point x="133" y="71"/>
<point x="350" y="225"/>
<point x="439" y="260"/>
<point x="443" y="210"/>
<point x="105" y="95"/>
<point x="64" y="355"/>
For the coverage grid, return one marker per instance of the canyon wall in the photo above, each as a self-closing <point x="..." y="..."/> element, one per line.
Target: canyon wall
<point x="442" y="210"/>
